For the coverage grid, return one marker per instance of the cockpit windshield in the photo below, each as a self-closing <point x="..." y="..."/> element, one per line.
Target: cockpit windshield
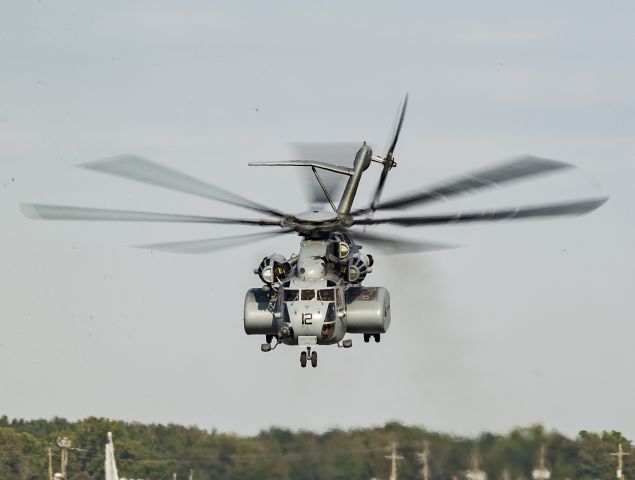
<point x="326" y="295"/>
<point x="290" y="295"/>
<point x="308" y="294"/>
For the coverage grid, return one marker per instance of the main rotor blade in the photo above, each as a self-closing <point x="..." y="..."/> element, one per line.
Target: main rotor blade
<point x="389" y="244"/>
<point x="145" y="171"/>
<point x="516" y="169"/>
<point x="209" y="245"/>
<point x="389" y="158"/>
<point x="62" y="212"/>
<point x="579" y="207"/>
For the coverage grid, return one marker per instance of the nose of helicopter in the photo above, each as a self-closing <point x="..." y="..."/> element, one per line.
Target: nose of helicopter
<point x="306" y="318"/>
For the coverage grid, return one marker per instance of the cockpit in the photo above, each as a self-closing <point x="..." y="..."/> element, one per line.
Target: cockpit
<point x="322" y="294"/>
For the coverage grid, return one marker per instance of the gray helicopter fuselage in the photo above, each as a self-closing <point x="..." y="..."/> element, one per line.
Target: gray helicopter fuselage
<point x="314" y="303"/>
<point x="311" y="300"/>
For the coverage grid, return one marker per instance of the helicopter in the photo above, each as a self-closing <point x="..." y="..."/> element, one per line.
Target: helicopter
<point x="317" y="297"/>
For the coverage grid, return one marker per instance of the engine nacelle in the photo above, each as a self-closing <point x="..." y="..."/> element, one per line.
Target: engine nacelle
<point x="259" y="308"/>
<point x="273" y="268"/>
<point x="367" y="310"/>
<point x="358" y="267"/>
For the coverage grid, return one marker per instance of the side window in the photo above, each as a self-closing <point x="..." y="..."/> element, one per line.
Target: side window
<point x="338" y="297"/>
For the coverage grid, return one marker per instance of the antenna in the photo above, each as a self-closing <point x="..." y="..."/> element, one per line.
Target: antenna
<point x="620" y="464"/>
<point x="393" y="457"/>
<point x="423" y="458"/>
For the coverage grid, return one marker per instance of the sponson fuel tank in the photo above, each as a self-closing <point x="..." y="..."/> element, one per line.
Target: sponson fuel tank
<point x="367" y="310"/>
<point x="259" y="308"/>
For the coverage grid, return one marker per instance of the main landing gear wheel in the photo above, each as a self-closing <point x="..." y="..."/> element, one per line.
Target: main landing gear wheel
<point x="366" y="337"/>
<point x="303" y="359"/>
<point x="314" y="359"/>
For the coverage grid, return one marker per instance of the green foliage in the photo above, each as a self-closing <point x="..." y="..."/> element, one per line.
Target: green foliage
<point x="156" y="451"/>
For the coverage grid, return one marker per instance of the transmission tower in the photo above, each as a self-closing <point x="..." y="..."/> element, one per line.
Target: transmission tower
<point x="423" y="457"/>
<point x="393" y="457"/>
<point x="620" y="463"/>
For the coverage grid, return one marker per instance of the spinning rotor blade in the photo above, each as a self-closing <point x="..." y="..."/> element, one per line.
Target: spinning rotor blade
<point x="389" y="244"/>
<point x="393" y="144"/>
<point x="145" y="171"/>
<point x="209" y="245"/>
<point x="579" y="207"/>
<point x="515" y="169"/>
<point x="335" y="152"/>
<point x="61" y="212"/>
<point x="389" y="161"/>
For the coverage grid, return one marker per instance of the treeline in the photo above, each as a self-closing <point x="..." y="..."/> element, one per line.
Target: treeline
<point x="156" y="451"/>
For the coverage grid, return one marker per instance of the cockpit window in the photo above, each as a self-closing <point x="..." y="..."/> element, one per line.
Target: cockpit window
<point x="308" y="294"/>
<point x="326" y="295"/>
<point x="290" y="295"/>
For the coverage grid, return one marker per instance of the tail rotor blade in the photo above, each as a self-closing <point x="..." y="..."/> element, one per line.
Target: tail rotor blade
<point x="389" y="159"/>
<point x="393" y="144"/>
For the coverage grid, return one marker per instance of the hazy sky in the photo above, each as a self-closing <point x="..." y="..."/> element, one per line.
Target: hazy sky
<point x="527" y="322"/>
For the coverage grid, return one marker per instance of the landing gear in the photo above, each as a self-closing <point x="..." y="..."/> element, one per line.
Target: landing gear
<point x="377" y="337"/>
<point x="267" y="347"/>
<point x="304" y="356"/>
<point x="303" y="359"/>
<point x="366" y="337"/>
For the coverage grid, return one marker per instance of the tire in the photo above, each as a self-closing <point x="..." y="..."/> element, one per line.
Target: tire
<point x="314" y="359"/>
<point x="377" y="338"/>
<point x="366" y="337"/>
<point x="303" y="359"/>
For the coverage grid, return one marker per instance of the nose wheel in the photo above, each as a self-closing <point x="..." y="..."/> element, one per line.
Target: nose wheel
<point x="305" y="356"/>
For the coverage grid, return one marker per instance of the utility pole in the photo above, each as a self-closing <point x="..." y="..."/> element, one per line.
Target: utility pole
<point x="620" y="463"/>
<point x="64" y="443"/>
<point x="423" y="458"/>
<point x="393" y="457"/>
<point x="50" y="455"/>
<point x="541" y="472"/>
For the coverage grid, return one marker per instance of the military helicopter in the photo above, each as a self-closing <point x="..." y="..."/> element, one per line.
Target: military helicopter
<point x="316" y="297"/>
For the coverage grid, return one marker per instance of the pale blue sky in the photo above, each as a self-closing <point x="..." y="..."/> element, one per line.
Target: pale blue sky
<point x="528" y="322"/>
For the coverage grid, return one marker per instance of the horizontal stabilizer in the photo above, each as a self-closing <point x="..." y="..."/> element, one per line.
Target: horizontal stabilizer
<point x="305" y="163"/>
